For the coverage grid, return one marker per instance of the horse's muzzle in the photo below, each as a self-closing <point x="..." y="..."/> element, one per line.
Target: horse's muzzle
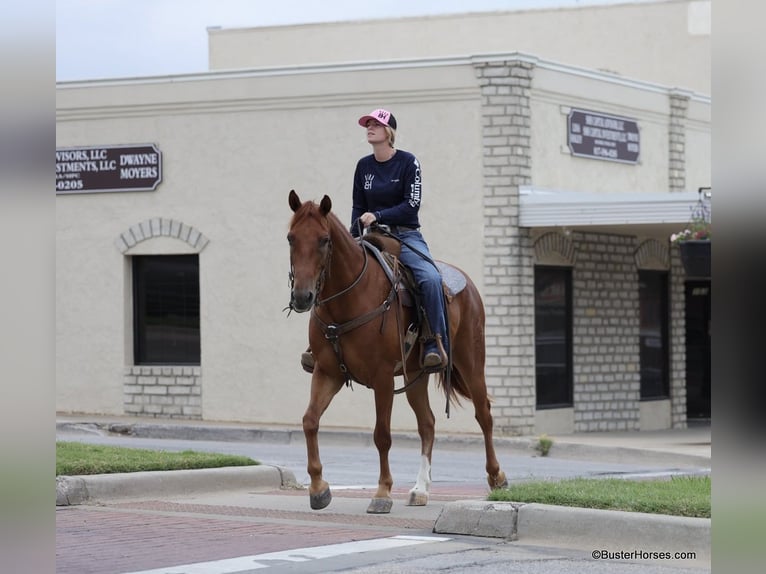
<point x="302" y="300"/>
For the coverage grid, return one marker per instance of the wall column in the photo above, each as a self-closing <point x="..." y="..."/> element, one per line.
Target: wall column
<point x="679" y="105"/>
<point x="508" y="250"/>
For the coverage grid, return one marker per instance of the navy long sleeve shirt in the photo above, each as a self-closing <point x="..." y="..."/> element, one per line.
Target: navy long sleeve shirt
<point x="389" y="189"/>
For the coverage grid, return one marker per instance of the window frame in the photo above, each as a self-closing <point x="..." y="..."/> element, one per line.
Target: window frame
<point x="566" y="401"/>
<point x="663" y="293"/>
<point x="142" y="356"/>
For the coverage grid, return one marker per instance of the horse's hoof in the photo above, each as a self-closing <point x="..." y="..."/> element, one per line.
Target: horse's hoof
<point x="380" y="506"/>
<point x="417" y="498"/>
<point x="500" y="481"/>
<point x="321" y="500"/>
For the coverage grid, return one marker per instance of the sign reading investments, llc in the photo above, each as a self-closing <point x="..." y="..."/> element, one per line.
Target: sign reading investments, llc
<point x="135" y="167"/>
<point x="601" y="136"/>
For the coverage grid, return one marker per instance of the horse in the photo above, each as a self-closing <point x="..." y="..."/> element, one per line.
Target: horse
<point x="331" y="276"/>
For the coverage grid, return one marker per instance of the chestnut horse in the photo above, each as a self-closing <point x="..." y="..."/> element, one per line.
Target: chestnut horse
<point x="332" y="275"/>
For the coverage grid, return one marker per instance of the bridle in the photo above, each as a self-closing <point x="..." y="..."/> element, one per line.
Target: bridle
<point x="321" y="279"/>
<point x="322" y="273"/>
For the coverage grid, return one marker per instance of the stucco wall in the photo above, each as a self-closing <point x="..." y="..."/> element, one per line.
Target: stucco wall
<point x="553" y="165"/>
<point x="227" y="168"/>
<point x="233" y="146"/>
<point x="653" y="41"/>
<point x="698" y="145"/>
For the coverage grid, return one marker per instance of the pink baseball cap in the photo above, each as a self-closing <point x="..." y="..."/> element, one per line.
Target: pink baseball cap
<point x="383" y="116"/>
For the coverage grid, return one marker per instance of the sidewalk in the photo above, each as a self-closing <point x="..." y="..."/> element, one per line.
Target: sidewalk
<point x="452" y="511"/>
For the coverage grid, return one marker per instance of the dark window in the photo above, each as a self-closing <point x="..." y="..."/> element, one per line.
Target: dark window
<point x="166" y="309"/>
<point x="653" y="335"/>
<point x="553" y="336"/>
<point x="698" y="296"/>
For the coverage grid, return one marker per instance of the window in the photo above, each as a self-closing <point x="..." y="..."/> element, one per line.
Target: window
<point x="166" y="310"/>
<point x="653" y="335"/>
<point x="553" y="336"/>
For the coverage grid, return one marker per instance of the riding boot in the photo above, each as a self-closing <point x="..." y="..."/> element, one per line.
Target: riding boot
<point x="434" y="356"/>
<point x="307" y="361"/>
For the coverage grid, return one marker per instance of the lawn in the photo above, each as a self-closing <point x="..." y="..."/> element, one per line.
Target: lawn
<point x="74" y="458"/>
<point x="679" y="496"/>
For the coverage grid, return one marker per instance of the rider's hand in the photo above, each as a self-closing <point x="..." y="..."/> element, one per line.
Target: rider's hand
<point x="367" y="219"/>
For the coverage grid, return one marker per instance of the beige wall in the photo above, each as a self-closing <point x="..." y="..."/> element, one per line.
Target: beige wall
<point x="664" y="42"/>
<point x="553" y="166"/>
<point x="698" y="145"/>
<point x="233" y="146"/>
<point x="228" y="165"/>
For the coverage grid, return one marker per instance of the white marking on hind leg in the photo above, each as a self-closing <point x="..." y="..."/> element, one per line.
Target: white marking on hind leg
<point x="420" y="492"/>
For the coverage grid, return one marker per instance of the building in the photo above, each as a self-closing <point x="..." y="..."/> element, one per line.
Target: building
<point x="553" y="175"/>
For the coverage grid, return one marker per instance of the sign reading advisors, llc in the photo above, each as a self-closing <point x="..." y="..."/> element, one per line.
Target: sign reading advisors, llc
<point x="136" y="167"/>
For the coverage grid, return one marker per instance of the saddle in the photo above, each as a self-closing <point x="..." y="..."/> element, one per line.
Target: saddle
<point x="386" y="251"/>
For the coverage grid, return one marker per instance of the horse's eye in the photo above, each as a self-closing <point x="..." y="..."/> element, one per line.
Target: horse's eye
<point x="290" y="238"/>
<point x="324" y="242"/>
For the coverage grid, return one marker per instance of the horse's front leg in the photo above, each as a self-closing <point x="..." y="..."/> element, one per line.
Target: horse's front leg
<point x="384" y="401"/>
<point x="417" y="396"/>
<point x="323" y="389"/>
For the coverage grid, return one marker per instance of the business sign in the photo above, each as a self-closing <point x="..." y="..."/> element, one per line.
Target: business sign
<point x="108" y="168"/>
<point x="602" y="136"/>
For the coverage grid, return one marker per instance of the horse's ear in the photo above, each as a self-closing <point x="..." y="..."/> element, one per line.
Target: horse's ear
<point x="326" y="205"/>
<point x="294" y="200"/>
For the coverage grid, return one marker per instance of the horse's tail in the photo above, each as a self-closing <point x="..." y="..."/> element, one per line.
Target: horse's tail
<point x="457" y="387"/>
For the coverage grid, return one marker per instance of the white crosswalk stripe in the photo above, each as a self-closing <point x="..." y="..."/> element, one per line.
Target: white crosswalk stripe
<point x="259" y="561"/>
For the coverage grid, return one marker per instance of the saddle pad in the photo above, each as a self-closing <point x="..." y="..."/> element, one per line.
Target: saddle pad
<point x="452" y="277"/>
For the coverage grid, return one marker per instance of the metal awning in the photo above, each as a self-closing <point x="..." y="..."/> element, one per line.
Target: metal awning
<point x="656" y="215"/>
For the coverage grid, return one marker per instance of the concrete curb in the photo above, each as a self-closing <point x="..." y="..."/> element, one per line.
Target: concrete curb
<point x="587" y="528"/>
<point x="479" y="518"/>
<point x="72" y="490"/>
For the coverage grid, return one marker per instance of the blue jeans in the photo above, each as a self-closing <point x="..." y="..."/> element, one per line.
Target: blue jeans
<point x="429" y="281"/>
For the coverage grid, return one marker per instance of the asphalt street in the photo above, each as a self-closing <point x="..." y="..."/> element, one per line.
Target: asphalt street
<point x="356" y="464"/>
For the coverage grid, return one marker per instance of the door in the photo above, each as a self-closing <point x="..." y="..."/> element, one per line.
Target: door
<point x="698" y="299"/>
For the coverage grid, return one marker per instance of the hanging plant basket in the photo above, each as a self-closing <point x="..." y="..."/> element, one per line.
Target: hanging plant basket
<point x="695" y="256"/>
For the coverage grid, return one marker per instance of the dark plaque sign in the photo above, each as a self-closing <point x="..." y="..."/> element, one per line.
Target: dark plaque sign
<point x="108" y="168"/>
<point x="601" y="136"/>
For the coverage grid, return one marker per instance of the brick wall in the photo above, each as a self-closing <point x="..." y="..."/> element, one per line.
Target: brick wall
<point x="508" y="267"/>
<point x="679" y="105"/>
<point x="677" y="342"/>
<point x="606" y="365"/>
<point x="163" y="391"/>
<point x="605" y="279"/>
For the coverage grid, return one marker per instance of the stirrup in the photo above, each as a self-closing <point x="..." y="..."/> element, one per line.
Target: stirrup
<point x="432" y="361"/>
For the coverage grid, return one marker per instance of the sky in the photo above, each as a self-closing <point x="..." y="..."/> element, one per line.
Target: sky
<point x="98" y="39"/>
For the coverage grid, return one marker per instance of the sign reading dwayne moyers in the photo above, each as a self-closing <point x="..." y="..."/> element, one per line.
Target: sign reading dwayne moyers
<point x="602" y="136"/>
<point x="136" y="167"/>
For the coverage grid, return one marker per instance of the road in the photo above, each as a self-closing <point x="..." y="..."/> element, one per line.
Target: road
<point x="357" y="464"/>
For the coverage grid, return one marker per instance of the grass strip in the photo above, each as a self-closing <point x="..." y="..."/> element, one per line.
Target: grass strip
<point x="74" y="458"/>
<point x="679" y="496"/>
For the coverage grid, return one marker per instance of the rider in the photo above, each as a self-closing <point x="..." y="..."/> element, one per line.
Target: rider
<point x="387" y="190"/>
